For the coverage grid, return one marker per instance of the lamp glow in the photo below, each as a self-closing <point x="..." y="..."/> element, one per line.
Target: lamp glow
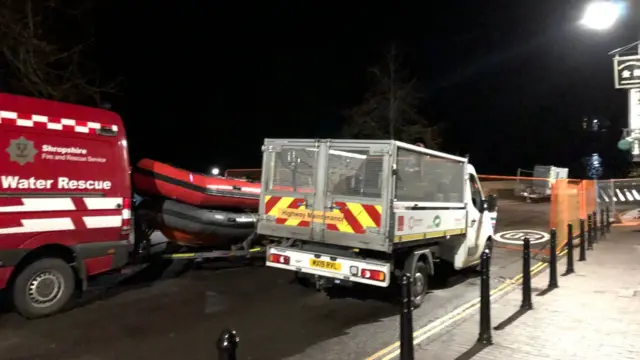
<point x="601" y="15"/>
<point x="215" y="171"/>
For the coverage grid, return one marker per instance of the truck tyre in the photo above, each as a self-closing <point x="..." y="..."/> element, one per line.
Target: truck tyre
<point x="420" y="284"/>
<point x="43" y="288"/>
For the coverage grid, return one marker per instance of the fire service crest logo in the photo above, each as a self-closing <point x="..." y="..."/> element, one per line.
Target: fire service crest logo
<point x="22" y="151"/>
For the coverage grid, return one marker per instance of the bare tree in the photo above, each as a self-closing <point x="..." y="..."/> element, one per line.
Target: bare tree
<point x="391" y="108"/>
<point x="44" y="46"/>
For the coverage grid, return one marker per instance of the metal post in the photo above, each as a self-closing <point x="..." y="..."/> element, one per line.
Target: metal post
<point x="583" y="243"/>
<point x="570" y="269"/>
<point x="406" y="320"/>
<point x="603" y="224"/>
<point x="612" y="190"/>
<point x="553" y="260"/>
<point x="608" y="217"/>
<point x="589" y="232"/>
<point x="227" y="345"/>
<point x="595" y="227"/>
<point x="485" y="300"/>
<point x="526" y="275"/>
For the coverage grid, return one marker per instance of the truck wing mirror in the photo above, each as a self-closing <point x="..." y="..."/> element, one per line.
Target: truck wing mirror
<point x="491" y="203"/>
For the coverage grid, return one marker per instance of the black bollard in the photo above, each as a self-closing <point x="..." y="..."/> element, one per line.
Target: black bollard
<point x="485" y="337"/>
<point x="607" y="216"/>
<point x="227" y="345"/>
<point x="583" y="243"/>
<point x="570" y="269"/>
<point x="406" y="320"/>
<point x="553" y="261"/>
<point x="526" y="275"/>
<point x="594" y="227"/>
<point x="603" y="225"/>
<point x="589" y="232"/>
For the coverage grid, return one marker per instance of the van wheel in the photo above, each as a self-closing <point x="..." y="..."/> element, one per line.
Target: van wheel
<point x="420" y="284"/>
<point x="43" y="288"/>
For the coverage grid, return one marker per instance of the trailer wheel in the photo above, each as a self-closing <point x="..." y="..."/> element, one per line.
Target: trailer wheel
<point x="420" y="284"/>
<point x="43" y="288"/>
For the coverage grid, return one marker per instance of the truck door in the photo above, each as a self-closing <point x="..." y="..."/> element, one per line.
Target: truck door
<point x="475" y="216"/>
<point x="289" y="192"/>
<point x="355" y="190"/>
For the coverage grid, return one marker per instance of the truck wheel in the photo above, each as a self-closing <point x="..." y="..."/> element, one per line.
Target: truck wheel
<point x="420" y="284"/>
<point x="43" y="288"/>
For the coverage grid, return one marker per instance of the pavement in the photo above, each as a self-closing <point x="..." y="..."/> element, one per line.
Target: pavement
<point x="594" y="314"/>
<point x="181" y="313"/>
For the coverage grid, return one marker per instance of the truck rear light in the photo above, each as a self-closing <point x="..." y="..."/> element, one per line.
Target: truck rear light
<point x="372" y="274"/>
<point x="126" y="219"/>
<point x="280" y="259"/>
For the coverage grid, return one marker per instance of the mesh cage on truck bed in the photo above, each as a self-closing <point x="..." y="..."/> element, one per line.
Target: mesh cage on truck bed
<point x="341" y="191"/>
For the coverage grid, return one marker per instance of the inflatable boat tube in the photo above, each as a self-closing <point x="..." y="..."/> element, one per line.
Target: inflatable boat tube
<point x="155" y="178"/>
<point x="218" y="226"/>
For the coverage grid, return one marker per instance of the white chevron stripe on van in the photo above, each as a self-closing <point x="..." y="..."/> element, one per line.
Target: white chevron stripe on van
<point x="101" y="222"/>
<point x="40" y="225"/>
<point x="106" y="203"/>
<point x="40" y="204"/>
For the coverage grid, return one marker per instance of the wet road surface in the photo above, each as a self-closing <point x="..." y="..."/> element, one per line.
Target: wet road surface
<point x="179" y="316"/>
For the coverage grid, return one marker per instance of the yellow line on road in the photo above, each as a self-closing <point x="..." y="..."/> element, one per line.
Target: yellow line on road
<point x="432" y="328"/>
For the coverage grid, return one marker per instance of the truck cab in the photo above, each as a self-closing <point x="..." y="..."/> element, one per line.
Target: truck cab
<point x="346" y="212"/>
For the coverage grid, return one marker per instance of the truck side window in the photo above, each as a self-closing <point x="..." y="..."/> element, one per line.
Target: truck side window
<point x="476" y="193"/>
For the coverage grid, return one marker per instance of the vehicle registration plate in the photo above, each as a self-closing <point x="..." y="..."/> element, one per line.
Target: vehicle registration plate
<point x="326" y="265"/>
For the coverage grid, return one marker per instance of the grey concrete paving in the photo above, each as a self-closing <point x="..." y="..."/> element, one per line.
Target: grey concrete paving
<point x="594" y="314"/>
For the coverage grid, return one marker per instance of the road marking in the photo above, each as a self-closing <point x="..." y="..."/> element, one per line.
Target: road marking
<point x="516" y="237"/>
<point x="434" y="327"/>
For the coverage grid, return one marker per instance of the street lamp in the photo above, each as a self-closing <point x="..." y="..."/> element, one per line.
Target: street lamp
<point x="215" y="171"/>
<point x="601" y="15"/>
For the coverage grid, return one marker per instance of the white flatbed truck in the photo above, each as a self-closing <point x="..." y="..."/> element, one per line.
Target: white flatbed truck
<point x="345" y="212"/>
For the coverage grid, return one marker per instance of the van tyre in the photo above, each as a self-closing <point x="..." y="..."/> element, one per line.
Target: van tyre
<point x="43" y="288"/>
<point x="420" y="284"/>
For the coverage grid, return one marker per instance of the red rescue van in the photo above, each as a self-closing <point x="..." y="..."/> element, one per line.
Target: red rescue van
<point x="65" y="200"/>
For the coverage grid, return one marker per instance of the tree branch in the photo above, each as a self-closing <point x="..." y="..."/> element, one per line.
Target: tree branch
<point x="37" y="63"/>
<point x="391" y="108"/>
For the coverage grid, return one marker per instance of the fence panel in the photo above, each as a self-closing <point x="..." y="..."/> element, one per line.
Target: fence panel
<point x="622" y="197"/>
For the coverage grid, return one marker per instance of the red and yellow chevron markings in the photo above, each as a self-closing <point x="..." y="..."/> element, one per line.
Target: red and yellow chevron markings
<point x="357" y="217"/>
<point x="348" y="217"/>
<point x="287" y="210"/>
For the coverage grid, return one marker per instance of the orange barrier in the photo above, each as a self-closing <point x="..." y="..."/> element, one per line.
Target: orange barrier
<point x="571" y="200"/>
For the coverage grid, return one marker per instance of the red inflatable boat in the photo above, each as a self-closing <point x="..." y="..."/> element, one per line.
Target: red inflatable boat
<point x="155" y="178"/>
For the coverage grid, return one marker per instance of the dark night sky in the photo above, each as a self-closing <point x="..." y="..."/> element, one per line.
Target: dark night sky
<point x="205" y="82"/>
